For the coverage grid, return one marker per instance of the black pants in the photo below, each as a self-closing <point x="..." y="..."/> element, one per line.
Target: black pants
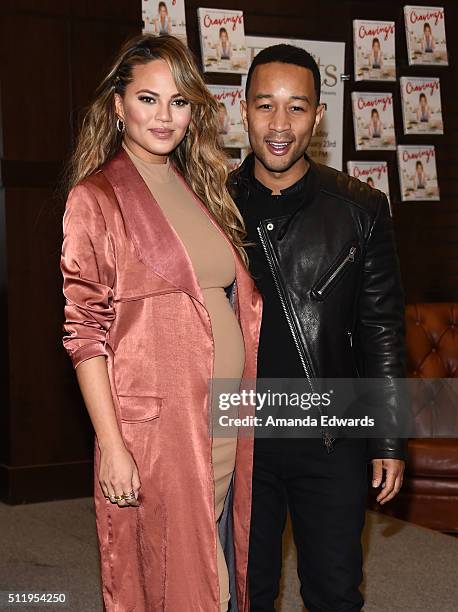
<point x="326" y="496"/>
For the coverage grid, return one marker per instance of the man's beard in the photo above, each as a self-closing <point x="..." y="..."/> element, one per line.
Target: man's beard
<point x="281" y="165"/>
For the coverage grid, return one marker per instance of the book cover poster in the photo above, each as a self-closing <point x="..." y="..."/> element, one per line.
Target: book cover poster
<point x="373" y="121"/>
<point x="230" y="123"/>
<point x="421" y="105"/>
<point x="233" y="163"/>
<point x="417" y="172"/>
<point x="374" y="173"/>
<point x="374" y="50"/>
<point x="222" y="41"/>
<point x="425" y="32"/>
<point x="164" y="17"/>
<point x="327" y="144"/>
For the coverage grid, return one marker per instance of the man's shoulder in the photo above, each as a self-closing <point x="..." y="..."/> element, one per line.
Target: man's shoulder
<point x="349" y="190"/>
<point x="328" y="181"/>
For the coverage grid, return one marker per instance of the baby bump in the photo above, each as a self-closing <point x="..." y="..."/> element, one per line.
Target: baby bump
<point x="229" y="359"/>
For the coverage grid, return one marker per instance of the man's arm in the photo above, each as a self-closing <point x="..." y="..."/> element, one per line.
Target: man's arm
<point x="380" y="330"/>
<point x="380" y="342"/>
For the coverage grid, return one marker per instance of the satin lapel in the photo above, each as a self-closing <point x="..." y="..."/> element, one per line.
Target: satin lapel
<point x="155" y="240"/>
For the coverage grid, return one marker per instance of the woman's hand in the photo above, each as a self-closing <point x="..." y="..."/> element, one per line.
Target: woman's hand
<point x="118" y="475"/>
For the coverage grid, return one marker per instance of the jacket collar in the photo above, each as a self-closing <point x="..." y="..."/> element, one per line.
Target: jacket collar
<point x="241" y="179"/>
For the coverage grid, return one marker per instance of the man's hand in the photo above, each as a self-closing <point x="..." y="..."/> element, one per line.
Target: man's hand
<point x="394" y="470"/>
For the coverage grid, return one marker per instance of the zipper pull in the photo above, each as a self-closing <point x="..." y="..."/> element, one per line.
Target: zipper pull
<point x="351" y="254"/>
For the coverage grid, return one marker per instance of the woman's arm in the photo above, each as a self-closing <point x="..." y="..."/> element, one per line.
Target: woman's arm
<point x="93" y="381"/>
<point x="89" y="270"/>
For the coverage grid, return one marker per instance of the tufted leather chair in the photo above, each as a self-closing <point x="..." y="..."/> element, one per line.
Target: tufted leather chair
<point x="429" y="495"/>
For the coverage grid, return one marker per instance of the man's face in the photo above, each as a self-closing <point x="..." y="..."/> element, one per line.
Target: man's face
<point x="281" y="114"/>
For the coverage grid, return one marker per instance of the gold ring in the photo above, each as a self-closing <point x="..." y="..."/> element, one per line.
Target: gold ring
<point x="118" y="497"/>
<point x="130" y="495"/>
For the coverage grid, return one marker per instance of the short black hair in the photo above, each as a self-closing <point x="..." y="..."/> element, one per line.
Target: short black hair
<point x="286" y="54"/>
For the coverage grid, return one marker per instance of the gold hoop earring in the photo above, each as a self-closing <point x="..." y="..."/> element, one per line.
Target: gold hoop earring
<point x="120" y="125"/>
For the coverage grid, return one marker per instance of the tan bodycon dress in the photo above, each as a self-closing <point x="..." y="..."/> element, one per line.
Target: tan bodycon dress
<point x="214" y="267"/>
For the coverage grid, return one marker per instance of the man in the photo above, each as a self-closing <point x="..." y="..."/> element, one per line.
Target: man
<point x="324" y="261"/>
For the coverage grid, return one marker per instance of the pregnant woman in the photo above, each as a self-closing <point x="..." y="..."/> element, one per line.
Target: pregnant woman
<point x="159" y="301"/>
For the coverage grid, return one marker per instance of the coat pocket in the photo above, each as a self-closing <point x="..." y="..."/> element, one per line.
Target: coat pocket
<point x="139" y="408"/>
<point x="331" y="277"/>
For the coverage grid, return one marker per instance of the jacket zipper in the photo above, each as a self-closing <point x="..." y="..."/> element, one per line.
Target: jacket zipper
<point x="349" y="258"/>
<point x="327" y="438"/>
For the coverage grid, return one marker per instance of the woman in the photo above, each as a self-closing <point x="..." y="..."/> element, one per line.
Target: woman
<point x="151" y="242"/>
<point x="224" y="47"/>
<point x="423" y="109"/>
<point x="162" y="23"/>
<point x="427" y="42"/>
<point x="223" y="119"/>
<point x="375" y="125"/>
<point x="419" y="178"/>
<point x="376" y="55"/>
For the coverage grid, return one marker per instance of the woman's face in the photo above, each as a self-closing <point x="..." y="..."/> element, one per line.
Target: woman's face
<point x="156" y="116"/>
<point x="163" y="11"/>
<point x="375" y="116"/>
<point x="376" y="46"/>
<point x="224" y="37"/>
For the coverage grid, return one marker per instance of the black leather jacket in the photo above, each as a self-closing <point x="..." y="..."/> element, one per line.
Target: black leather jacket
<point x="335" y="266"/>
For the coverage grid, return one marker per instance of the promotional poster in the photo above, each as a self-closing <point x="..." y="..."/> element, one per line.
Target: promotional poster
<point x="164" y="17"/>
<point x="417" y="172"/>
<point x="233" y="163"/>
<point x="421" y="105"/>
<point x="231" y="129"/>
<point x="374" y="173"/>
<point x="326" y="146"/>
<point x="425" y="32"/>
<point x="374" y="50"/>
<point x="373" y="121"/>
<point x="222" y="41"/>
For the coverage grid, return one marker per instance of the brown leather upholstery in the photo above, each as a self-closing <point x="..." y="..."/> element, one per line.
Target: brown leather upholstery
<point x="429" y="495"/>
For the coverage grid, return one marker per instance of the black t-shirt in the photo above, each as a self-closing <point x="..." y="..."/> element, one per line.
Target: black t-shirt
<point x="277" y="356"/>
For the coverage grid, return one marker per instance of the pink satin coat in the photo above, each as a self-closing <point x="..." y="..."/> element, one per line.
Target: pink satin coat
<point x="132" y="296"/>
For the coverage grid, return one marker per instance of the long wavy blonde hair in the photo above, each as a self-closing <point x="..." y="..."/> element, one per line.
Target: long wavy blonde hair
<point x="199" y="157"/>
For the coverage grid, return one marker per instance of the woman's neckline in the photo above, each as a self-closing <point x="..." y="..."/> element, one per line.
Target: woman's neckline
<point x="158" y="172"/>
